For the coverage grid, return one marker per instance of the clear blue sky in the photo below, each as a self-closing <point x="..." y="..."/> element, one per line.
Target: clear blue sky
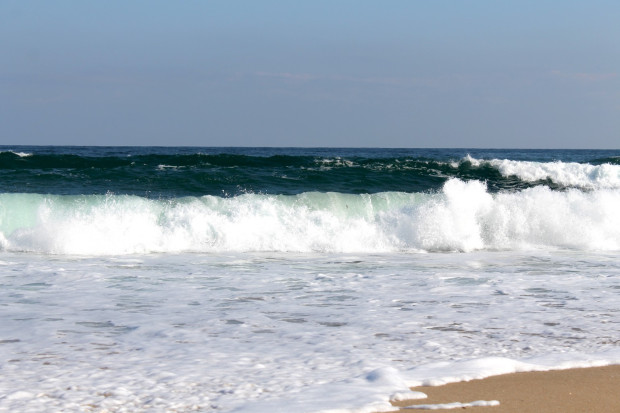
<point x="434" y="73"/>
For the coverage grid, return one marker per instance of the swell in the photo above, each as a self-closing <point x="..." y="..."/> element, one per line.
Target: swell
<point x="161" y="175"/>
<point x="462" y="216"/>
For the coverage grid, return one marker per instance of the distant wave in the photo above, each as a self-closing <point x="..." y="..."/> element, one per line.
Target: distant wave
<point x="569" y="174"/>
<point x="195" y="174"/>
<point x="463" y="216"/>
<point x="17" y="153"/>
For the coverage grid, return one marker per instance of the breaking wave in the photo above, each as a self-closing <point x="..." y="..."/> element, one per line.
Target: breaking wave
<point x="462" y="216"/>
<point x="568" y="174"/>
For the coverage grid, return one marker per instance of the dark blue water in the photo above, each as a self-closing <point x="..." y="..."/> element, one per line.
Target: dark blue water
<point x="164" y="172"/>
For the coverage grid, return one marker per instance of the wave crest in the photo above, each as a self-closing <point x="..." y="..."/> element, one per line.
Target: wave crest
<point x="463" y="216"/>
<point x="568" y="174"/>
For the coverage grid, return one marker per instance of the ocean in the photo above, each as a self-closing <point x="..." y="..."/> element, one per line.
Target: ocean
<point x="177" y="279"/>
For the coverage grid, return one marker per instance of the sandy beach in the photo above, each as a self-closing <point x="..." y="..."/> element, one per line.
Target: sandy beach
<point x="563" y="391"/>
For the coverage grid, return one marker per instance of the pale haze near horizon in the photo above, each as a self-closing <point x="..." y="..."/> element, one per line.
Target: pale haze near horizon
<point x="514" y="74"/>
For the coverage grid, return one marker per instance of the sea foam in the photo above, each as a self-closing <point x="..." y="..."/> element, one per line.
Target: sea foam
<point x="571" y="174"/>
<point x="464" y="216"/>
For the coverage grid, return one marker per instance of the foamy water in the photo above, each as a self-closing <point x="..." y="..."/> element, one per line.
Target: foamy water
<point x="305" y="332"/>
<point x="462" y="217"/>
<point x="307" y="285"/>
<point x="572" y="174"/>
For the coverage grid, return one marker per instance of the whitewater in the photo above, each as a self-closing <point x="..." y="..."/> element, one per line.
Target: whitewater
<point x="462" y="217"/>
<point x="261" y="280"/>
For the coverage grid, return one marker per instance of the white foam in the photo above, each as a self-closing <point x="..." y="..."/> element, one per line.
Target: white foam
<point x="463" y="217"/>
<point x="164" y="167"/>
<point x="570" y="174"/>
<point x="20" y="154"/>
<point x="454" y="405"/>
<point x="328" y="163"/>
<point x="263" y="332"/>
<point x="408" y="395"/>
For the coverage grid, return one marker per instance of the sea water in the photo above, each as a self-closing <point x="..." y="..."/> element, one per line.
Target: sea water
<point x="281" y="279"/>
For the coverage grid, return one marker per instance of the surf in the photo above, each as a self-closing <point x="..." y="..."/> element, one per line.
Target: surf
<point x="462" y="216"/>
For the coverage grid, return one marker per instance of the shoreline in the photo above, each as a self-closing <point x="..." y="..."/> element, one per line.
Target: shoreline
<point x="591" y="389"/>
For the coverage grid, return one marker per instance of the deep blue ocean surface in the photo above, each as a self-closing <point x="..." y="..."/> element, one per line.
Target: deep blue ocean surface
<point x="164" y="172"/>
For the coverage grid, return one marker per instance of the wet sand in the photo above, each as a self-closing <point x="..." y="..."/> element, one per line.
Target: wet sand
<point x="591" y="390"/>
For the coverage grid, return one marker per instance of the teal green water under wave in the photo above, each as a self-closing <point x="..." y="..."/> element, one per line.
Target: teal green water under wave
<point x="174" y="172"/>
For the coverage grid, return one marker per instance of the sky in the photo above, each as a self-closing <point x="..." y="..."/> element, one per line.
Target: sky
<point x="337" y="73"/>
